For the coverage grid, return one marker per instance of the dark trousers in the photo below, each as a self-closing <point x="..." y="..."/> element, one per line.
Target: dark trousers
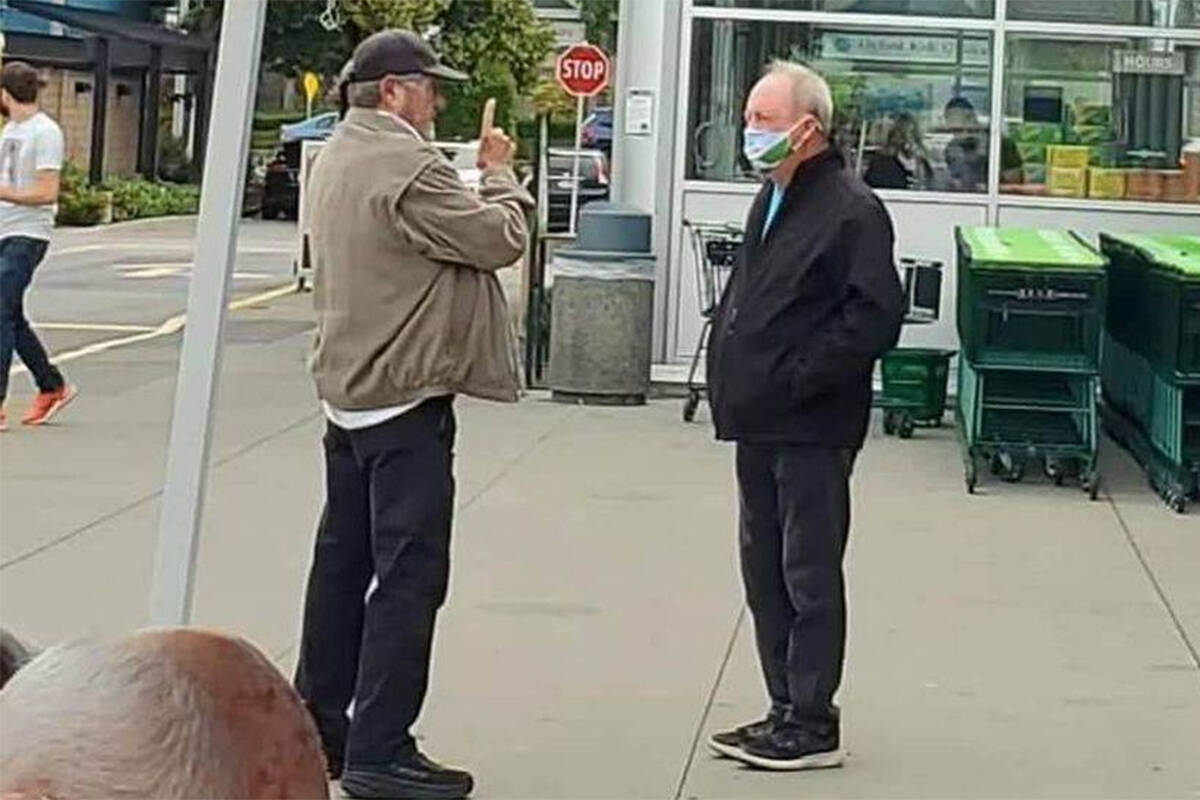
<point x="795" y="518"/>
<point x="389" y="506"/>
<point x="19" y="257"/>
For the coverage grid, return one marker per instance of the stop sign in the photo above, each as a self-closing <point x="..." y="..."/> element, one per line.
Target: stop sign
<point x="583" y="70"/>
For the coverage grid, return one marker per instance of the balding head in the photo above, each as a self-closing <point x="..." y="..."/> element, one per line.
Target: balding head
<point x="792" y="99"/>
<point x="786" y="94"/>
<point x="165" y="714"/>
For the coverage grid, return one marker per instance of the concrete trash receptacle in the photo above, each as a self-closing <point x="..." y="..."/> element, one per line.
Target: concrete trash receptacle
<point x="602" y="308"/>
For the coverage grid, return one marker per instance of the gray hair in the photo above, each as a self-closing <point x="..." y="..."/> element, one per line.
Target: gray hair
<point x="809" y="90"/>
<point x="364" y="94"/>
<point x="111" y="719"/>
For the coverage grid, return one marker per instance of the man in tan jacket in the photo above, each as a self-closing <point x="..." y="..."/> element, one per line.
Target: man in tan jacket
<point x="410" y="314"/>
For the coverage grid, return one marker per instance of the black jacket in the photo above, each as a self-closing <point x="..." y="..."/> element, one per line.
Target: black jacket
<point x="806" y="313"/>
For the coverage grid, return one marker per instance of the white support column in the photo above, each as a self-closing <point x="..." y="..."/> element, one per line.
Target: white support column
<point x="200" y="360"/>
<point x="648" y="64"/>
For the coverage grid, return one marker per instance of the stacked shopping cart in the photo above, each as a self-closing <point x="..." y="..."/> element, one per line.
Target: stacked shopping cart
<point x="1030" y="318"/>
<point x="1151" y="374"/>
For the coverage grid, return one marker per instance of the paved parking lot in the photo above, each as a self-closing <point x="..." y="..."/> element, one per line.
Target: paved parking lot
<point x="1020" y="643"/>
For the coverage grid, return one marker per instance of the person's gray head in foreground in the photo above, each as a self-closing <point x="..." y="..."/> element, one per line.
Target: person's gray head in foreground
<point x="172" y="713"/>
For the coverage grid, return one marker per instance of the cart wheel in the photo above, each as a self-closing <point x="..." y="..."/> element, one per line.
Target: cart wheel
<point x="889" y="423"/>
<point x="1177" y="502"/>
<point x="1013" y="470"/>
<point x="1091" y="484"/>
<point x="1055" y="471"/>
<point x="690" y="405"/>
<point x="972" y="476"/>
<point x="907" y="426"/>
<point x="996" y="465"/>
<point x="301" y="283"/>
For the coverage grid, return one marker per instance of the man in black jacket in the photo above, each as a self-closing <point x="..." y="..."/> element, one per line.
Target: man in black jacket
<point x="814" y="300"/>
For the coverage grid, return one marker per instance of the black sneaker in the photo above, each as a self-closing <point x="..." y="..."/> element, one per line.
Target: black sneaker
<point x="728" y="744"/>
<point x="788" y="748"/>
<point x="414" y="778"/>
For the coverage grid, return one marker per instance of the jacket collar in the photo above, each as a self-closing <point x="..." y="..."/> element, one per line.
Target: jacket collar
<point x="374" y="120"/>
<point x="828" y="159"/>
<point x="827" y="162"/>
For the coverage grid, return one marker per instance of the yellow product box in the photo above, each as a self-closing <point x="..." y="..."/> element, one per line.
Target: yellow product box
<point x="1106" y="184"/>
<point x="1070" y="156"/>
<point x="1067" y="181"/>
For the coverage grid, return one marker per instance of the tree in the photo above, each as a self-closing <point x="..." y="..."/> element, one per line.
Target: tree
<point x="293" y="39"/>
<point x="501" y="44"/>
<point x="600" y="22"/>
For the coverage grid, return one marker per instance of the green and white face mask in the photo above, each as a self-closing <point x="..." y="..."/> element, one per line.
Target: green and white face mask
<point x="766" y="150"/>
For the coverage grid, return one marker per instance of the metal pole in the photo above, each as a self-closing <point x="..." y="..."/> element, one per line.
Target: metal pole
<point x="99" y="111"/>
<point x="575" y="165"/>
<point x="200" y="360"/>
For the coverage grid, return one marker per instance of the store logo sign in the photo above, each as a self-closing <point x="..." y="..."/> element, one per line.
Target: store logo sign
<point x="1143" y="62"/>
<point x="901" y="48"/>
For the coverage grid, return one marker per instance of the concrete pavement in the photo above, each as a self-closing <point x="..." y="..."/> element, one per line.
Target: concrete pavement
<point x="1020" y="643"/>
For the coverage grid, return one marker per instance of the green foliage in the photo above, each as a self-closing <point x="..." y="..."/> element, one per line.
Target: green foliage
<point x="138" y="198"/>
<point x="131" y="198"/>
<point x="600" y="23"/>
<point x="293" y="39"/>
<point x="273" y="120"/>
<point x="501" y="44"/>
<point x="78" y="203"/>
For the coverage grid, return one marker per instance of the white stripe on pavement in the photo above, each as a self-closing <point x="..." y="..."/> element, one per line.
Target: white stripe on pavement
<point x="167" y="328"/>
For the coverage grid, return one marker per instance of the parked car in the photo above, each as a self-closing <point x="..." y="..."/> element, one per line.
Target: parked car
<point x="593" y="183"/>
<point x="597" y="130"/>
<point x="317" y="127"/>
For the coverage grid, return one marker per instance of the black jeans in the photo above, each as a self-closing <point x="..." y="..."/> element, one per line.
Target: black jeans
<point x="388" y="512"/>
<point x="795" y="519"/>
<point x="19" y="257"/>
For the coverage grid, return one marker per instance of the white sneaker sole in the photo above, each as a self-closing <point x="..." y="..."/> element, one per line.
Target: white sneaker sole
<point x="724" y="750"/>
<point x="830" y="760"/>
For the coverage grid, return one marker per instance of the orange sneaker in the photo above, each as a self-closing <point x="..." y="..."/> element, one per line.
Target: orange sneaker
<point x="47" y="404"/>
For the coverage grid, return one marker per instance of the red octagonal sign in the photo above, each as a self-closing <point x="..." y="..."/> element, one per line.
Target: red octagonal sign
<point x="583" y="70"/>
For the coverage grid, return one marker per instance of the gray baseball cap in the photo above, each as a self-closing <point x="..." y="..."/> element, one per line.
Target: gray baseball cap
<point x="398" y="52"/>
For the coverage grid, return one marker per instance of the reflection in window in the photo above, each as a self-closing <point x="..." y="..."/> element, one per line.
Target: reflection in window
<point x="910" y="108"/>
<point x="932" y="8"/>
<point x="1104" y="119"/>
<point x="1153" y="13"/>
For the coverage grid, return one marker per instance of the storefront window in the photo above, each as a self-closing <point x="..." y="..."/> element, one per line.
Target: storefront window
<point x="931" y="8"/>
<point x="910" y="107"/>
<point x="1152" y="13"/>
<point x="1114" y="119"/>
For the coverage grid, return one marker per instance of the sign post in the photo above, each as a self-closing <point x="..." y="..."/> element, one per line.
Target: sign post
<point x="312" y="85"/>
<point x="583" y="70"/>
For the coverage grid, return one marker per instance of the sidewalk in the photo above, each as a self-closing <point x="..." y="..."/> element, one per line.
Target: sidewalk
<point x="1020" y="643"/>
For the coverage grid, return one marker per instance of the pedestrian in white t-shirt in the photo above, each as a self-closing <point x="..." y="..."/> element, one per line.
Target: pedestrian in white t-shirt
<point x="31" y="156"/>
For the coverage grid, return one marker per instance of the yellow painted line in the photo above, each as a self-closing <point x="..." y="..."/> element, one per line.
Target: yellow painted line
<point x="92" y="326"/>
<point x="167" y="328"/>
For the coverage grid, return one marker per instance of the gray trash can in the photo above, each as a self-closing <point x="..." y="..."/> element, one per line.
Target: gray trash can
<point x="602" y="308"/>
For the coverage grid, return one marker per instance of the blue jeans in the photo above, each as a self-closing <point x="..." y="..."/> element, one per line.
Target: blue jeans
<point x="19" y="257"/>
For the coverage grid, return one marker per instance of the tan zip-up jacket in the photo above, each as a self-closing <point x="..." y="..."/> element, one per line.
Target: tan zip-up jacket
<point x="404" y="256"/>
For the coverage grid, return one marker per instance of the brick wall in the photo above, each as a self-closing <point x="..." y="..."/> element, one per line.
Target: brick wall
<point x="72" y="110"/>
